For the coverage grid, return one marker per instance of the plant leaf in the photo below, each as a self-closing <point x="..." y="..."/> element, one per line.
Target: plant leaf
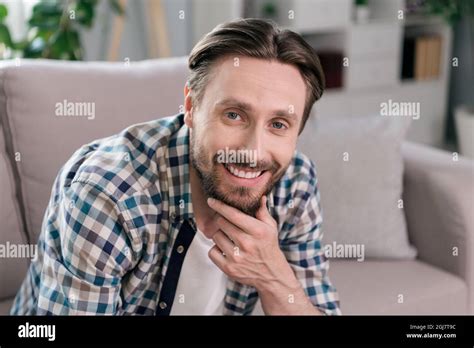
<point x="3" y="12"/>
<point x="5" y="36"/>
<point x="85" y="13"/>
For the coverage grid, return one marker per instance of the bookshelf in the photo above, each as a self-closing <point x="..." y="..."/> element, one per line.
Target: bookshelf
<point x="374" y="50"/>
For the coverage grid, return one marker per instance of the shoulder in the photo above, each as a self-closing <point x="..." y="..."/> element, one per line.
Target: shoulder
<point x="300" y="176"/>
<point x="296" y="195"/>
<point x="122" y="164"/>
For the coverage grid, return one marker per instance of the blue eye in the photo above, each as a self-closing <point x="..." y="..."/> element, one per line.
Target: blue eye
<point x="278" y="125"/>
<point x="232" y="115"/>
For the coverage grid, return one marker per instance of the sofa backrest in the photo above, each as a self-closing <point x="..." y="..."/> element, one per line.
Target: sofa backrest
<point x="37" y="97"/>
<point x="12" y="234"/>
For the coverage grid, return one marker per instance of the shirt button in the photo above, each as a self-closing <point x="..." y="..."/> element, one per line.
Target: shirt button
<point x="163" y="305"/>
<point x="180" y="249"/>
<point x="173" y="216"/>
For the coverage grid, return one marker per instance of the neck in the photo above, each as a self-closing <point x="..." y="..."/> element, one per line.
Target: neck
<point x="205" y="216"/>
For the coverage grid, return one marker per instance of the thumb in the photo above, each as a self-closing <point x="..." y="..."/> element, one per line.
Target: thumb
<point x="263" y="214"/>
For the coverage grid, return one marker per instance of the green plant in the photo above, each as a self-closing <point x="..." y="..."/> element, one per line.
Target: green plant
<point x="451" y="10"/>
<point x="54" y="28"/>
<point x="361" y="2"/>
<point x="269" y="9"/>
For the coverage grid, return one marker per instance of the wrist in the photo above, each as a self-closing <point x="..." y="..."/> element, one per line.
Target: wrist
<point x="283" y="283"/>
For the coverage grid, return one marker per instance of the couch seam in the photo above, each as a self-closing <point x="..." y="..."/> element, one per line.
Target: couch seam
<point x="10" y="147"/>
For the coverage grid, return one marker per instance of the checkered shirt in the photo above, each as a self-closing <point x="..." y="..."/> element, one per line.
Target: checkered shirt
<point x="115" y="213"/>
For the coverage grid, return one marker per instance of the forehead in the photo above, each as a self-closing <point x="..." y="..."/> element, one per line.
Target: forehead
<point x="266" y="84"/>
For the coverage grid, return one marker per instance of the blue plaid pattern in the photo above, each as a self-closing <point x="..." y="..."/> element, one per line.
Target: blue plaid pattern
<point x="116" y="208"/>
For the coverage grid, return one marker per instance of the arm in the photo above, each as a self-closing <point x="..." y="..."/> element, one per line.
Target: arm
<point x="285" y="295"/>
<point x="303" y="249"/>
<point x="84" y="258"/>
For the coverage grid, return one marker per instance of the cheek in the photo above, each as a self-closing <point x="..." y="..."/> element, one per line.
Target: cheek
<point x="284" y="160"/>
<point x="282" y="151"/>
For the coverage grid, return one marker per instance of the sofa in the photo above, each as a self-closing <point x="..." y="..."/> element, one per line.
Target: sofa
<point x="35" y="140"/>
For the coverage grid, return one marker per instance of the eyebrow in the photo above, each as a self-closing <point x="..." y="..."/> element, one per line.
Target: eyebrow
<point x="248" y="108"/>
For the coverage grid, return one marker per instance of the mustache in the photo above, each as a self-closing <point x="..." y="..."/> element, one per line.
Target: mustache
<point x="272" y="166"/>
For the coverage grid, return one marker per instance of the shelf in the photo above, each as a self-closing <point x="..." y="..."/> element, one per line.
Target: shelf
<point x="422" y="20"/>
<point x="421" y="83"/>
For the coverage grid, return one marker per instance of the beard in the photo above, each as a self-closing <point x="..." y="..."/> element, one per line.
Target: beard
<point x="245" y="199"/>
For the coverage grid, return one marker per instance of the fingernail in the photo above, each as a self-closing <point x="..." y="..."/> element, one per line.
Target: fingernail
<point x="210" y="201"/>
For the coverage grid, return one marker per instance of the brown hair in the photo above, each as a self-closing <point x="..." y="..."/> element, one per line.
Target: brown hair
<point x="257" y="38"/>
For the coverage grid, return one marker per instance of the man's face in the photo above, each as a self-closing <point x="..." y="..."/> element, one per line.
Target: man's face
<point x="244" y="131"/>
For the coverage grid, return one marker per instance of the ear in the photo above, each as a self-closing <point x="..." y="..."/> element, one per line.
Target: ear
<point x="188" y="107"/>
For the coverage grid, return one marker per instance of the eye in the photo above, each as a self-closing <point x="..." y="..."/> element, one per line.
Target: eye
<point x="278" y="125"/>
<point x="233" y="115"/>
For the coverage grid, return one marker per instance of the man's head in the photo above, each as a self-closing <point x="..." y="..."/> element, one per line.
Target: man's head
<point x="248" y="96"/>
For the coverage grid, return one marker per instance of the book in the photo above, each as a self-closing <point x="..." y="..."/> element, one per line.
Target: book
<point x="421" y="58"/>
<point x="436" y="56"/>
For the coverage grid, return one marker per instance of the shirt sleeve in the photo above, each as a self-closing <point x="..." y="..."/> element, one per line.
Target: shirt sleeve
<point x="302" y="244"/>
<point x="85" y="255"/>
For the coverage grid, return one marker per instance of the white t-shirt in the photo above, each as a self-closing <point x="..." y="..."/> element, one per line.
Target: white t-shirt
<point x="202" y="285"/>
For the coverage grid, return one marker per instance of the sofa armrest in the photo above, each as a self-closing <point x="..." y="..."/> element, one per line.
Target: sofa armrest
<point x="439" y="206"/>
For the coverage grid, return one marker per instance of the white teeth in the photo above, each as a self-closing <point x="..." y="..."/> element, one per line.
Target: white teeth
<point x="242" y="174"/>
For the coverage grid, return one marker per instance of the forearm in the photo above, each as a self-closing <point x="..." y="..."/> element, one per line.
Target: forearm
<point x="285" y="296"/>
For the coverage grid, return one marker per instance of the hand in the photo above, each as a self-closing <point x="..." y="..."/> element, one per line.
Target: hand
<point x="247" y="248"/>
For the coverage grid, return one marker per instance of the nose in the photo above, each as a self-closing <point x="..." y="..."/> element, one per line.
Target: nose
<point x="255" y="141"/>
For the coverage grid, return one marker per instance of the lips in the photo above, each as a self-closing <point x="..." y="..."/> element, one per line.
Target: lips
<point x="243" y="174"/>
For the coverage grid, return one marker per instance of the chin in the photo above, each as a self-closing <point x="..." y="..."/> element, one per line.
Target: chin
<point x="244" y="199"/>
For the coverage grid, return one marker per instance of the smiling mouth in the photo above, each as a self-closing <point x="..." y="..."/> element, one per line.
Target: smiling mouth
<point x="243" y="174"/>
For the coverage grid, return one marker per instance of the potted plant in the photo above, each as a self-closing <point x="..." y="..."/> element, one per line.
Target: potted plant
<point x="362" y="11"/>
<point x="54" y="29"/>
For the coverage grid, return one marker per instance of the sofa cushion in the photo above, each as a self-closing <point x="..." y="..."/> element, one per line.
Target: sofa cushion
<point x="439" y="196"/>
<point x="49" y="120"/>
<point x="6" y="305"/>
<point x="374" y="287"/>
<point x="12" y="235"/>
<point x="360" y="171"/>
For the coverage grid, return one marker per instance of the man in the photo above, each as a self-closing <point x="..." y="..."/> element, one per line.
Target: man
<point x="201" y="213"/>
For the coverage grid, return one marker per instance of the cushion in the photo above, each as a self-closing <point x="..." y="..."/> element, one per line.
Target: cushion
<point x="12" y="235"/>
<point x="46" y="130"/>
<point x="360" y="170"/>
<point x="374" y="287"/>
<point x="5" y="306"/>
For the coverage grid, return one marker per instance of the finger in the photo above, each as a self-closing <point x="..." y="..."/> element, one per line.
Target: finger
<point x="223" y="242"/>
<point x="263" y="214"/>
<point x="215" y="254"/>
<point x="232" y="231"/>
<point x="241" y="220"/>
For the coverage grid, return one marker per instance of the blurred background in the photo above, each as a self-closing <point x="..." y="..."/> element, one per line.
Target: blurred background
<point x="394" y="198"/>
<point x="372" y="51"/>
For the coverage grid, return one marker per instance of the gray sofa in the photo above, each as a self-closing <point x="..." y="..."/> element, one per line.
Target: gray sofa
<point x="35" y="141"/>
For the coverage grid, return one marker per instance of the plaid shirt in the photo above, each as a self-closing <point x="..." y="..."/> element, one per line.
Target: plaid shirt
<point x="119" y="209"/>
